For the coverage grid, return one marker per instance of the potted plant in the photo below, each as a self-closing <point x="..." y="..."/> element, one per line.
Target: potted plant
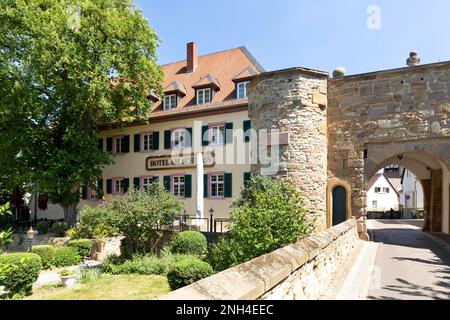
<point x="100" y="235"/>
<point x="68" y="277"/>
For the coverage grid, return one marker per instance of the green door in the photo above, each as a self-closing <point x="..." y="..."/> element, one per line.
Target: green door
<point x="339" y="205"/>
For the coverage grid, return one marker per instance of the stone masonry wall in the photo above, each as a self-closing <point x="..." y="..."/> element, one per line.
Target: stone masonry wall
<point x="294" y="102"/>
<point x="375" y="116"/>
<point x="301" y="271"/>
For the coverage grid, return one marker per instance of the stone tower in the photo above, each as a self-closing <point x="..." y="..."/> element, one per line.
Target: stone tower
<point x="294" y="102"/>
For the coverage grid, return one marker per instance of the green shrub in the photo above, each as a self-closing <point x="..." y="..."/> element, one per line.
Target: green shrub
<point x="268" y="215"/>
<point x="93" y="218"/>
<point x="66" y="257"/>
<point x="83" y="246"/>
<point x="190" y="242"/>
<point x="42" y="227"/>
<point x="90" y="275"/>
<point x="47" y="254"/>
<point x="59" y="228"/>
<point x="18" y="272"/>
<point x="188" y="271"/>
<point x="143" y="265"/>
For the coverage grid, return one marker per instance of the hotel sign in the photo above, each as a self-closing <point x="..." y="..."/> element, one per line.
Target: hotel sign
<point x="178" y="161"/>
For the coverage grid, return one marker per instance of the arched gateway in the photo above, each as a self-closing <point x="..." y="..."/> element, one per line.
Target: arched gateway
<point x="339" y="132"/>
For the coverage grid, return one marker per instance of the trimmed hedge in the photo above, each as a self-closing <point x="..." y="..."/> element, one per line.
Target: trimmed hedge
<point x="60" y="228"/>
<point x="188" y="271"/>
<point x="42" y="227"/>
<point x="47" y="254"/>
<point x="66" y="257"/>
<point x="83" y="246"/>
<point x="19" y="271"/>
<point x="190" y="242"/>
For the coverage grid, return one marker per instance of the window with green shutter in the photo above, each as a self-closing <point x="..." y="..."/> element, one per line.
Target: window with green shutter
<point x="247" y="177"/>
<point x="126" y="145"/>
<point x="156" y="140"/>
<point x="137" y="142"/>
<point x="188" y="138"/>
<point x="228" y="185"/>
<point x="100" y="144"/>
<point x="205" y="137"/>
<point x="109" y="186"/>
<point x="205" y="185"/>
<point x="167" y="141"/>
<point x="188" y="186"/>
<point x="84" y="191"/>
<point x="100" y="188"/>
<point x="126" y="185"/>
<point x="109" y="144"/>
<point x="167" y="183"/>
<point x="137" y="183"/>
<point x="247" y="125"/>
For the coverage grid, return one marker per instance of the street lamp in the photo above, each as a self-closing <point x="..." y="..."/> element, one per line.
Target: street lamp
<point x="30" y="236"/>
<point x="211" y="222"/>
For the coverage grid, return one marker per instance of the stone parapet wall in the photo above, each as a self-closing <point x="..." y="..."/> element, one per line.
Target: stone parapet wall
<point x="293" y="101"/>
<point x="303" y="270"/>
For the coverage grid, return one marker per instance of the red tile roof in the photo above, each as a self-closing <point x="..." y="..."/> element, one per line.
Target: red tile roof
<point x="218" y="69"/>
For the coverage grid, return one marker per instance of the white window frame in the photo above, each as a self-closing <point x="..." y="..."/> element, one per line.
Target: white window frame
<point x="215" y="132"/>
<point x="178" y="134"/>
<point x="217" y="185"/>
<point x="170" y="102"/>
<point x="201" y="96"/>
<point x="377" y="190"/>
<point x="242" y="86"/>
<point x="120" y="183"/>
<point x="92" y="194"/>
<point x="179" y="185"/>
<point x="374" y="204"/>
<point x="146" y="182"/>
<point x="118" y="144"/>
<point x="149" y="136"/>
<point x="386" y="190"/>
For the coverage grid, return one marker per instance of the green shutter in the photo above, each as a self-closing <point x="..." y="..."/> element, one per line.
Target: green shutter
<point x="189" y="130"/>
<point x="109" y="186"/>
<point x="188" y="186"/>
<point x="84" y="192"/>
<point x="229" y="132"/>
<point x="205" y="185"/>
<point x="137" y="143"/>
<point x="167" y="183"/>
<point x="247" y="177"/>
<point x="137" y="183"/>
<point x="109" y="144"/>
<point x="205" y="138"/>
<point x="247" y="127"/>
<point x="228" y="179"/>
<point x="167" y="142"/>
<point x="156" y="140"/>
<point x="126" y="144"/>
<point x="126" y="185"/>
<point x="100" y="188"/>
<point x="100" y="144"/>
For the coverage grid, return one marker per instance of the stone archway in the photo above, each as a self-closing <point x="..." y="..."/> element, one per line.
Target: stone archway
<point x="374" y="118"/>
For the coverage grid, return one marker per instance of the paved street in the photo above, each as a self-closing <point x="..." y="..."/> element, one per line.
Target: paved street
<point x="409" y="264"/>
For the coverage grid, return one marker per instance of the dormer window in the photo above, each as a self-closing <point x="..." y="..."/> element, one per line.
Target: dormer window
<point x="241" y="89"/>
<point x="203" y="96"/>
<point x="170" y="101"/>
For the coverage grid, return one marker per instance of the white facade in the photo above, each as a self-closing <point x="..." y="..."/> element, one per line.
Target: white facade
<point x="412" y="195"/>
<point x="381" y="196"/>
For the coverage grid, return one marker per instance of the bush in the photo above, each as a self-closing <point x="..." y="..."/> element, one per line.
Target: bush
<point x="59" y="228"/>
<point x="188" y="271"/>
<point x="47" y="254"/>
<point x="83" y="246"/>
<point x="66" y="257"/>
<point x="18" y="272"/>
<point x="90" y="275"/>
<point x="267" y="216"/>
<point x="143" y="265"/>
<point x="42" y="227"/>
<point x="190" y="242"/>
<point x="94" y="218"/>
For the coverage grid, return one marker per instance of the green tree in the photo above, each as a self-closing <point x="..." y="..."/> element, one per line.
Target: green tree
<point x="5" y="235"/>
<point x="67" y="69"/>
<point x="268" y="215"/>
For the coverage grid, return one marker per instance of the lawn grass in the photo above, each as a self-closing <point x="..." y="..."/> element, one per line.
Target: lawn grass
<point x="108" y="287"/>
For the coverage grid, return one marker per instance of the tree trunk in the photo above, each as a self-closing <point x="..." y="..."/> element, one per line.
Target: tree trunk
<point x="70" y="214"/>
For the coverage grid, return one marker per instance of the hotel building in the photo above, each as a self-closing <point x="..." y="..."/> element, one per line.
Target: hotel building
<point x="204" y="110"/>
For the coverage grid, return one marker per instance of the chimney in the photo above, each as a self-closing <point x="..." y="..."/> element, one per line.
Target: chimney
<point x="192" y="57"/>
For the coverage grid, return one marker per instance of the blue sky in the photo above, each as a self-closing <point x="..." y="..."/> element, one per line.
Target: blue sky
<point x="318" y="34"/>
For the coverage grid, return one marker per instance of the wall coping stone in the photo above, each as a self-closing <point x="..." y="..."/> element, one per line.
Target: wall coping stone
<point x="250" y="280"/>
